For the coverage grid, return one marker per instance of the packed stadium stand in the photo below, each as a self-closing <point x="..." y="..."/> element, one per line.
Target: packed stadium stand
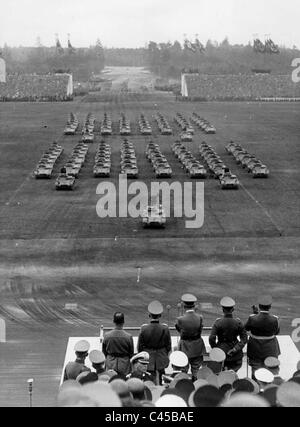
<point x="242" y="87"/>
<point x="33" y="87"/>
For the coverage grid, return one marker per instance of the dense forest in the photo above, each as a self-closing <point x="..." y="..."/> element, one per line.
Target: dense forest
<point x="163" y="59"/>
<point x="224" y="58"/>
<point x="81" y="62"/>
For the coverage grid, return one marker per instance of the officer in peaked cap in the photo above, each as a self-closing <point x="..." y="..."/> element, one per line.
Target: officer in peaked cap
<point x="97" y="360"/>
<point x="229" y="334"/>
<point x="262" y="328"/>
<point x="190" y="327"/>
<point x="179" y="364"/>
<point x="139" y="364"/>
<point x="73" y="369"/>
<point x="273" y="365"/>
<point x="189" y="300"/>
<point x="155" y="339"/>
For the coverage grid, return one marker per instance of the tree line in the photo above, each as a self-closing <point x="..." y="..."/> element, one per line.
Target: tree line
<point x="163" y="59"/>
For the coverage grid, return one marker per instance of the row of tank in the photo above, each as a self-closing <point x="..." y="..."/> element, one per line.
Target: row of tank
<point x="88" y="128"/>
<point x="144" y="125"/>
<point x="128" y="164"/>
<point x="203" y="124"/>
<point x="102" y="166"/>
<point x="159" y="162"/>
<point x="217" y="167"/>
<point x="247" y="160"/>
<point x="72" y="125"/>
<point x="70" y="171"/>
<point x="45" y="166"/>
<point x="163" y="124"/>
<point x="190" y="164"/>
<point x="125" y="128"/>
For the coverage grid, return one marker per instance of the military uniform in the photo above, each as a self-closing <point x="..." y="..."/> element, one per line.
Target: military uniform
<point x="142" y="358"/>
<point x="155" y="339"/>
<point x="273" y="365"/>
<point x="224" y="335"/>
<point x="190" y="328"/>
<point x="73" y="369"/>
<point x="179" y="363"/>
<point x="118" y="348"/>
<point x="263" y="328"/>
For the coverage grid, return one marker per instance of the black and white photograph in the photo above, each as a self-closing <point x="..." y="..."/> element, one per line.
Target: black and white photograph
<point x="149" y="206"/>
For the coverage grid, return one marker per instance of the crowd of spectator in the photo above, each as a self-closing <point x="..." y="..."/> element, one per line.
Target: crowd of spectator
<point x="241" y="87"/>
<point x="33" y="87"/>
<point x="161" y="376"/>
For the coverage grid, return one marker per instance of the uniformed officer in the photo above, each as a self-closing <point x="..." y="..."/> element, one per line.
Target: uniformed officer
<point x="262" y="328"/>
<point x="97" y="360"/>
<point x="179" y="364"/>
<point x="273" y="365"/>
<point x="73" y="369"/>
<point x="118" y="347"/>
<point x="229" y="334"/>
<point x="139" y="367"/>
<point x="190" y="327"/>
<point x="155" y="339"/>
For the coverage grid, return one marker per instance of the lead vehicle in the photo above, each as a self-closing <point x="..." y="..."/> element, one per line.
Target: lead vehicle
<point x="154" y="216"/>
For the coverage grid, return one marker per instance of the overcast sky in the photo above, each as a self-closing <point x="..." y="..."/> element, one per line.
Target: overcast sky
<point x="132" y="23"/>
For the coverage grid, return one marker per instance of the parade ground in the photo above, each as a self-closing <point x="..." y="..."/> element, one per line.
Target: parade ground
<point x="64" y="271"/>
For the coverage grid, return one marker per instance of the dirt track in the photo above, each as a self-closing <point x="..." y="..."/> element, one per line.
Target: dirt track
<point x="55" y="250"/>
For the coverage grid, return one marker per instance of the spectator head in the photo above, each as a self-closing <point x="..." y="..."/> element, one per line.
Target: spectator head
<point x="155" y="310"/>
<point x="264" y="377"/>
<point x="140" y="362"/>
<point x="136" y="388"/>
<point x="265" y="303"/>
<point x="226" y="377"/>
<point x="97" y="360"/>
<point x="227" y="303"/>
<point x="204" y="373"/>
<point x="245" y="400"/>
<point x="179" y="361"/>
<point x="272" y="364"/>
<point x="170" y="401"/>
<point x="288" y="395"/>
<point x="69" y="393"/>
<point x="217" y="355"/>
<point x="189" y="301"/>
<point x="100" y="394"/>
<point x="119" y="319"/>
<point x="120" y="387"/>
<point x="81" y="349"/>
<point x="207" y="396"/>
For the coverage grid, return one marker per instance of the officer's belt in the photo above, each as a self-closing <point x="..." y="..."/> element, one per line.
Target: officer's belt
<point x="262" y="338"/>
<point x="191" y="338"/>
<point x="155" y="349"/>
<point x="119" y="355"/>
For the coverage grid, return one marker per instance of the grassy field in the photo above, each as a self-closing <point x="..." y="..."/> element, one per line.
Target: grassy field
<point x="55" y="250"/>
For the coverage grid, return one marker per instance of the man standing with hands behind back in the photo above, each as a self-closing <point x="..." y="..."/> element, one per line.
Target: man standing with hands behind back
<point x="190" y="327"/>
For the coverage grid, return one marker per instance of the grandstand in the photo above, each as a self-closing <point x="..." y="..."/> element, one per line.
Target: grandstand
<point x="214" y="387"/>
<point x="241" y="87"/>
<point x="33" y="87"/>
<point x="289" y="353"/>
